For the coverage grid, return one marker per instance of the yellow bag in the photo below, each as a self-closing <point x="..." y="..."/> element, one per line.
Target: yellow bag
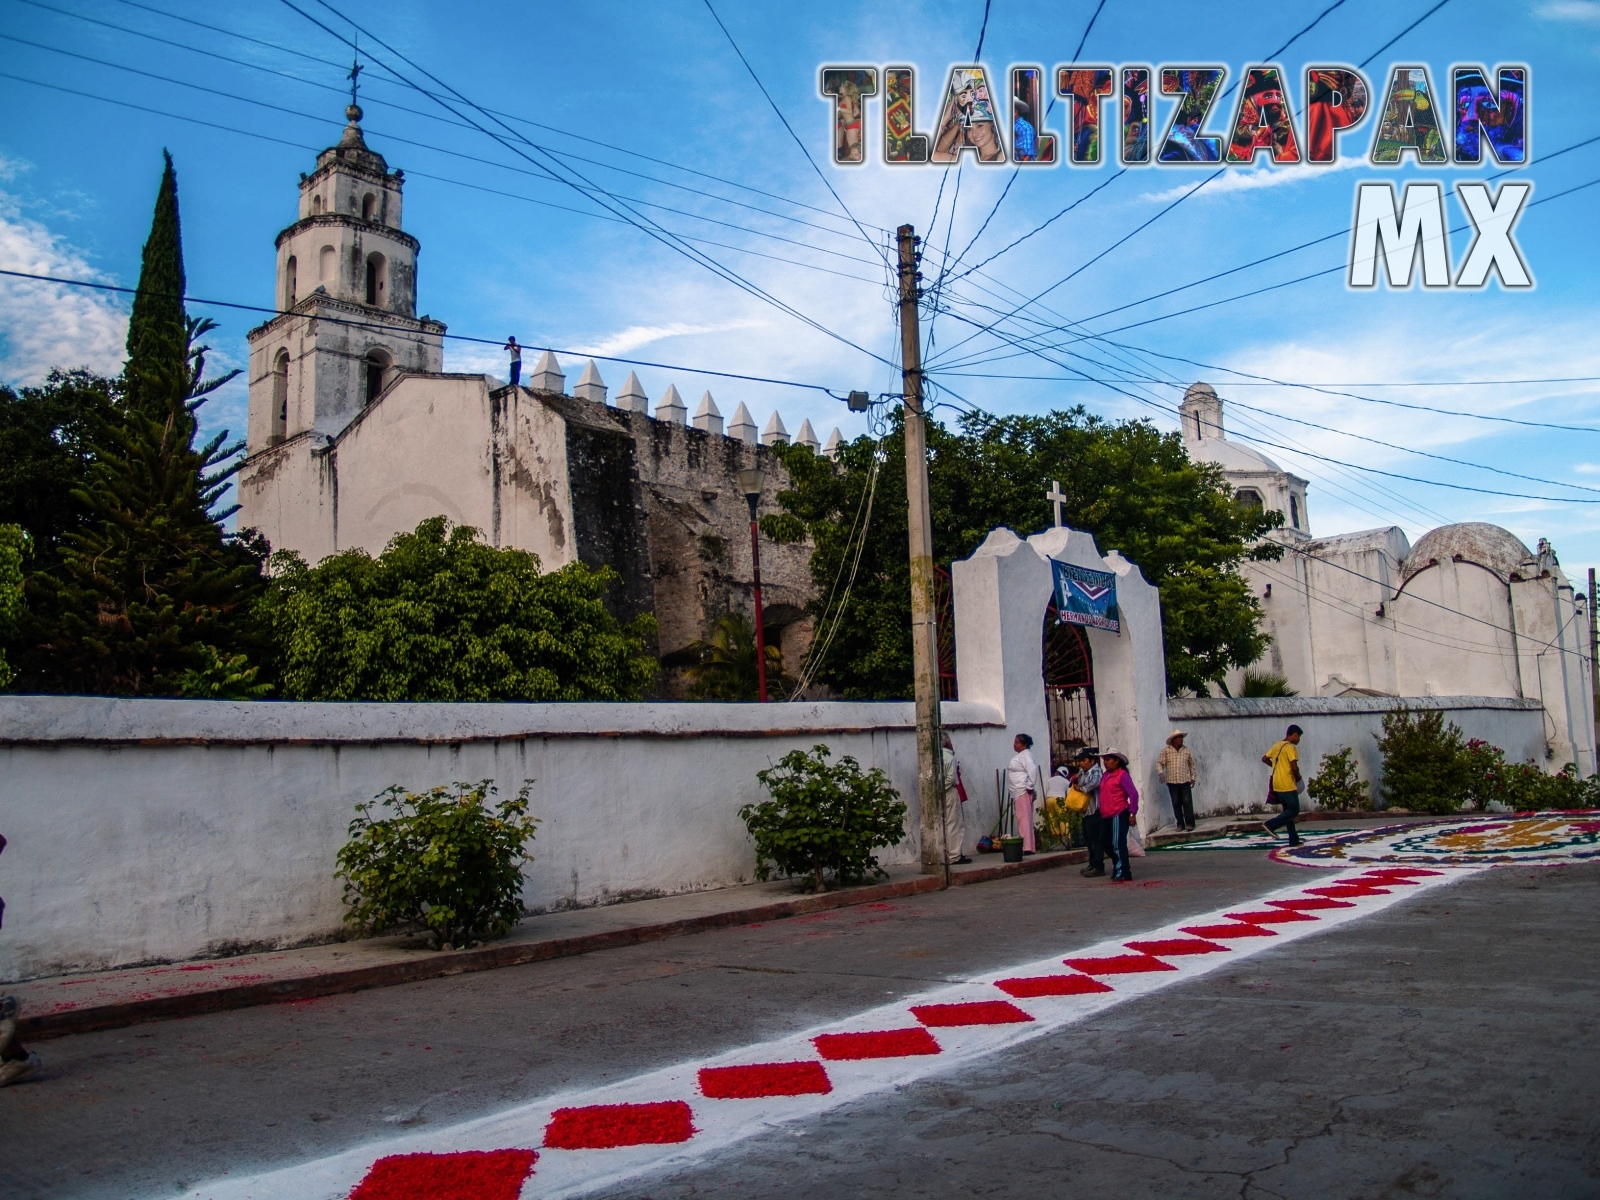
<point x="1077" y="801"/>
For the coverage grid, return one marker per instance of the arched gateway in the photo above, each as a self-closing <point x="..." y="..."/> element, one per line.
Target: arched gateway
<point x="1001" y="594"/>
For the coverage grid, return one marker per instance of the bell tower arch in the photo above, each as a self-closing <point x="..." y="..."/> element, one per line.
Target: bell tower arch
<point x="347" y="289"/>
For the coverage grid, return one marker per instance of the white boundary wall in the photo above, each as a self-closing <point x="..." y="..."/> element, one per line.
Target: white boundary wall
<point x="155" y="830"/>
<point x="1228" y="738"/>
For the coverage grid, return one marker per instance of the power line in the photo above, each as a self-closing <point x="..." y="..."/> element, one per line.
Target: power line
<point x="498" y="343"/>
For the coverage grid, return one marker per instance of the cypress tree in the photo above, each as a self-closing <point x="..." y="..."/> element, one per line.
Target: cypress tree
<point x="157" y="325"/>
<point x="151" y="597"/>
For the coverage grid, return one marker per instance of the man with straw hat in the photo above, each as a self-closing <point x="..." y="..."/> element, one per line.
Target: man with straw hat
<point x="1176" y="768"/>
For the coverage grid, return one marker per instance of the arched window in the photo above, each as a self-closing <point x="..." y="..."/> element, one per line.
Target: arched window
<point x="369" y="207"/>
<point x="1248" y="498"/>
<point x="328" y="266"/>
<point x="316" y="203"/>
<point x="280" y="399"/>
<point x="290" y="282"/>
<point x="377" y="370"/>
<point x="1294" y="510"/>
<point x="375" y="279"/>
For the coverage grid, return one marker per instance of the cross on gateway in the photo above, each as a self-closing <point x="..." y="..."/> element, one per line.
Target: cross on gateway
<point x="1056" y="497"/>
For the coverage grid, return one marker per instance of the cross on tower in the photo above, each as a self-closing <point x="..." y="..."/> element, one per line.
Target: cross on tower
<point x="355" y="77"/>
<point x="1056" y="497"/>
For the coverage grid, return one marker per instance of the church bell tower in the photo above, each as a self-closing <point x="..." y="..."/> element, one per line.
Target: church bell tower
<point x="347" y="295"/>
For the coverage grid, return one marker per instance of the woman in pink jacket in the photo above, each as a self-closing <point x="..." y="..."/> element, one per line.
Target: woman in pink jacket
<point x="1119" y="804"/>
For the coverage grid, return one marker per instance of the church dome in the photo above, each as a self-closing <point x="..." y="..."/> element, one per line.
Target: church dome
<point x="1478" y="542"/>
<point x="1230" y="456"/>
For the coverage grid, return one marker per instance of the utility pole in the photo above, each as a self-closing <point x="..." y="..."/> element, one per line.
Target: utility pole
<point x="924" y="621"/>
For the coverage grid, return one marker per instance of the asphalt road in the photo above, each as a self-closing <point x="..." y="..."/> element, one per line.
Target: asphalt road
<point x="1444" y="1047"/>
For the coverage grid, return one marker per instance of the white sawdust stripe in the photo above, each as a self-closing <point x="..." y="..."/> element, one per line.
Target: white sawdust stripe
<point x="721" y="1123"/>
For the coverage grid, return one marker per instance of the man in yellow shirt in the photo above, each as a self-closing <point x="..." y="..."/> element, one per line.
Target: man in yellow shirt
<point x="1284" y="759"/>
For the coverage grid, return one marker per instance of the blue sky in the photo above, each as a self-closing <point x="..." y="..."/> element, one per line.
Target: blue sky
<point x="502" y="253"/>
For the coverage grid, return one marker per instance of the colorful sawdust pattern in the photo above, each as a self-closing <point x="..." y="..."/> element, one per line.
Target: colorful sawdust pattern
<point x="1532" y="838"/>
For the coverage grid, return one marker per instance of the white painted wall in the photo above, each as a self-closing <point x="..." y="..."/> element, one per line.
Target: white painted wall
<point x="1228" y="737"/>
<point x="146" y="830"/>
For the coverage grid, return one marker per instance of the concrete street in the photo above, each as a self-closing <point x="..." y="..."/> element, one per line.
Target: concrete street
<point x="1443" y="1047"/>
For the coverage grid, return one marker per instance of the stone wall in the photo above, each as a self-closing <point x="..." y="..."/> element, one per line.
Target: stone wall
<point x="151" y="830"/>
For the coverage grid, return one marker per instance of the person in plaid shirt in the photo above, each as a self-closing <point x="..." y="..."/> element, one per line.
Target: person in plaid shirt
<point x="1176" y="768"/>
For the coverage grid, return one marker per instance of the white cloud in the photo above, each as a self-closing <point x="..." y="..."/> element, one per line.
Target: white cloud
<point x="1586" y="468"/>
<point x="45" y="325"/>
<point x="1587" y="11"/>
<point x="635" y="336"/>
<point x="1250" y="179"/>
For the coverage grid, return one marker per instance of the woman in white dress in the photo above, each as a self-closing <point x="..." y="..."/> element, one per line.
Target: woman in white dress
<point x="1024" y="785"/>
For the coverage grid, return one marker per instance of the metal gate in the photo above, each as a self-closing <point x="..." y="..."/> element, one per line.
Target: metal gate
<point x="1068" y="688"/>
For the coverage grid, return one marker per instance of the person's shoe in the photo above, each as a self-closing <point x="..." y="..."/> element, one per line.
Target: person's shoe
<point x="1027" y="852"/>
<point x="963" y="859"/>
<point x="1268" y="829"/>
<point x="1294" y="843"/>
<point x="15" y="1071"/>
<point x="1092" y="872"/>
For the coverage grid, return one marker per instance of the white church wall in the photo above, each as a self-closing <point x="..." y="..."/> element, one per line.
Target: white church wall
<point x="148" y="830"/>
<point x="1553" y="648"/>
<point x="1285" y="619"/>
<point x="1458" y="639"/>
<point x="287" y="494"/>
<point x="1228" y="737"/>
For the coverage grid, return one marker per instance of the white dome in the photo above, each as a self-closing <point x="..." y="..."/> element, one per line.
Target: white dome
<point x="1500" y="550"/>
<point x="1230" y="456"/>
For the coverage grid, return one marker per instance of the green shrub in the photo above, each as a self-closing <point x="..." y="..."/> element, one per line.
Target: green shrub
<point x="1266" y="683"/>
<point x="1337" y="786"/>
<point x="1522" y="786"/>
<point x="1424" y="762"/>
<point x="823" y="818"/>
<point x="444" y="862"/>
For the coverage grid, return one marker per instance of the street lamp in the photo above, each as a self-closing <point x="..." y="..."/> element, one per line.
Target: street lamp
<point x="751" y="480"/>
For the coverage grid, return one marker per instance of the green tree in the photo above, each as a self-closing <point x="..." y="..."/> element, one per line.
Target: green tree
<point x="1337" y="785"/>
<point x="726" y="668"/>
<point x="149" y="596"/>
<point x="46" y="447"/>
<point x="439" y="615"/>
<point x="13" y="545"/>
<point x="1127" y="483"/>
<point x="1426" y="767"/>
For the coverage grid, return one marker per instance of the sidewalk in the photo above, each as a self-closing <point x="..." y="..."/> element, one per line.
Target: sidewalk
<point x="67" y="1004"/>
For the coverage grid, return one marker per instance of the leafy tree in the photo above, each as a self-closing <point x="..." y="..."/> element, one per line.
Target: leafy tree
<point x="726" y="668"/>
<point x="1337" y="786"/>
<point x="46" y="446"/>
<point x="439" y="615"/>
<point x="444" y="861"/>
<point x="13" y="543"/>
<point x="158" y="325"/>
<point x="823" y="818"/>
<point x="1425" y="765"/>
<point x="1127" y="483"/>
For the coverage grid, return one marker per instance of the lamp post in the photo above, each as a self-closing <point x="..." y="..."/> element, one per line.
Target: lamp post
<point x="751" y="480"/>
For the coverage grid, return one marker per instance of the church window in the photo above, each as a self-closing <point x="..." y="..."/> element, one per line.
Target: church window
<point x="280" y="399"/>
<point x="1294" y="510"/>
<point x="377" y="367"/>
<point x="1248" y="498"/>
<point x="369" y="207"/>
<point x="329" y="264"/>
<point x="316" y="204"/>
<point x="375" y="279"/>
<point x="289" y="282"/>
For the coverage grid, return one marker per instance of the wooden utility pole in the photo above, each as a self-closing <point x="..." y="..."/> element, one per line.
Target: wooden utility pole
<point x="924" y="621"/>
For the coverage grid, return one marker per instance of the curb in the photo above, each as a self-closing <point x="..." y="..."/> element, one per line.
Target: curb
<point x="441" y="964"/>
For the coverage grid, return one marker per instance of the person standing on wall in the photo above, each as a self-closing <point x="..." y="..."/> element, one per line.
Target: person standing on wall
<point x="1284" y="759"/>
<point x="955" y="795"/>
<point x="1176" y="768"/>
<point x="516" y="360"/>
<point x="1087" y="781"/>
<point x="1119" y="804"/>
<point x="1024" y="784"/>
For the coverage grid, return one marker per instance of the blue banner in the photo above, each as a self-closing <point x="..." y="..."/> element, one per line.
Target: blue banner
<point x="1085" y="597"/>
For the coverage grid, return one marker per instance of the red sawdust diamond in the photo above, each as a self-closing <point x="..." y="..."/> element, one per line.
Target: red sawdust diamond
<point x="764" y="1079"/>
<point x="1374" y="879"/>
<point x="887" y="1043"/>
<point x="1051" y="985"/>
<point x="606" y="1126"/>
<point x="978" y="1012"/>
<point x="1344" y="890"/>
<point x="1170" y="946"/>
<point x="1235" y="929"/>
<point x="470" y="1175"/>
<point x="1312" y="905"/>
<point x="1119" y="964"/>
<point x="1279" y="916"/>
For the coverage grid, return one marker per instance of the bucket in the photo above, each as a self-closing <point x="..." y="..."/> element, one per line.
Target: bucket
<point x="1011" y="849"/>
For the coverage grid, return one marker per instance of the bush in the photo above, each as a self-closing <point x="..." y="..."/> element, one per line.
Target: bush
<point x="444" y="862"/>
<point x="1266" y="683"/>
<point x="1337" y="786"/>
<point x="1522" y="786"/>
<point x="1424" y="761"/>
<point x="1058" y="825"/>
<point x="823" y="818"/>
